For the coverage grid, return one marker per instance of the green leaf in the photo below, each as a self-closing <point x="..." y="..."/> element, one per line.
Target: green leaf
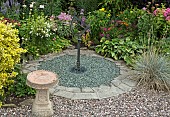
<point x="121" y="42"/>
<point x="107" y="42"/>
<point x="112" y="54"/>
<point x="104" y="46"/>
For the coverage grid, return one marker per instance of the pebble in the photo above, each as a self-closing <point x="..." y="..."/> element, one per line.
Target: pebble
<point x="135" y="103"/>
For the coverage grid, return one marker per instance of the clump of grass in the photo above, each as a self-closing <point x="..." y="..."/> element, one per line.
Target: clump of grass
<point x="153" y="71"/>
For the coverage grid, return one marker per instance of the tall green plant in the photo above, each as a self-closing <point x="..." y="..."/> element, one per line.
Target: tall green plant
<point x="153" y="30"/>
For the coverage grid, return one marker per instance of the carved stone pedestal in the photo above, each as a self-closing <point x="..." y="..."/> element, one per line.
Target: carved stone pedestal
<point x="42" y="80"/>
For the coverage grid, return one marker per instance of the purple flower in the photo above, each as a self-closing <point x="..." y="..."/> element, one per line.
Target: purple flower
<point x="83" y="19"/>
<point x="107" y="35"/>
<point x="8" y="5"/>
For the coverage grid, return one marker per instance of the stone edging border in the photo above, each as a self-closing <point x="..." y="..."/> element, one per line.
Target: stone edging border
<point x="119" y="85"/>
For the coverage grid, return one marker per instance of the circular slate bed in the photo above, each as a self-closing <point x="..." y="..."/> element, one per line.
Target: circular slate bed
<point x="98" y="71"/>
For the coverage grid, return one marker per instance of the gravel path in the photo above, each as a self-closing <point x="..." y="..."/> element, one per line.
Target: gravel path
<point x="136" y="103"/>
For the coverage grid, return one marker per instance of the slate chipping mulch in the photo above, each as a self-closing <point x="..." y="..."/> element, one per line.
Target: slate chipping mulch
<point x="98" y="71"/>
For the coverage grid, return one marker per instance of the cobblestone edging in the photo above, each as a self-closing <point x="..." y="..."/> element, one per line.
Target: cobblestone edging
<point x="119" y="85"/>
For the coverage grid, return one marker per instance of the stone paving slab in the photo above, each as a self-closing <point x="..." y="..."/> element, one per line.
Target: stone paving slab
<point x="87" y="90"/>
<point x="65" y="94"/>
<point x="85" y="96"/>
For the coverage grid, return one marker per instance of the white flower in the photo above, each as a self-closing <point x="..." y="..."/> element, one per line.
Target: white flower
<point x="41" y="7"/>
<point x="47" y="35"/>
<point x="31" y="5"/>
<point x="24" y="6"/>
<point x="32" y="2"/>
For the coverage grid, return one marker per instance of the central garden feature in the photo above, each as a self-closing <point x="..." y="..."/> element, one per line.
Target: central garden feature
<point x="98" y="71"/>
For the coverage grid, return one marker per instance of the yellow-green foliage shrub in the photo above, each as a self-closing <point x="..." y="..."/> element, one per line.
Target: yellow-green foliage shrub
<point x="10" y="52"/>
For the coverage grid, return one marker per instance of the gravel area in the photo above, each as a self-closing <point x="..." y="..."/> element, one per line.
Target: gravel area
<point x="98" y="71"/>
<point x="136" y="103"/>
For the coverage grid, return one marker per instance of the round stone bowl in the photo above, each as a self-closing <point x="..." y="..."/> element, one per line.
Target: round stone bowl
<point x="42" y="79"/>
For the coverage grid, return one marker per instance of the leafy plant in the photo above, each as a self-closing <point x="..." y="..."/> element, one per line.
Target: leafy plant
<point x="19" y="88"/>
<point x="96" y="20"/>
<point x="10" y="52"/>
<point x="36" y="35"/>
<point x="62" y="25"/>
<point x="154" y="25"/>
<point x="153" y="71"/>
<point x="39" y="37"/>
<point x="118" y="49"/>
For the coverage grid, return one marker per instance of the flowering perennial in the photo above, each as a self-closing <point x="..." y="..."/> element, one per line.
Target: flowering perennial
<point x="167" y="14"/>
<point x="64" y="16"/>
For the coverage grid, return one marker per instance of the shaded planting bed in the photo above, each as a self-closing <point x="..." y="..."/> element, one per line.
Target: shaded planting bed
<point x="98" y="71"/>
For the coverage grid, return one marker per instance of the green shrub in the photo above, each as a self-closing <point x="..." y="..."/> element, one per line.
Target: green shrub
<point x="153" y="71"/>
<point x="38" y="36"/>
<point x="98" y="19"/>
<point x="10" y="52"/>
<point x="118" y="49"/>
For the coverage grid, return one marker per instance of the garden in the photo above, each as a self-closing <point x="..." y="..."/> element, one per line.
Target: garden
<point x="108" y="32"/>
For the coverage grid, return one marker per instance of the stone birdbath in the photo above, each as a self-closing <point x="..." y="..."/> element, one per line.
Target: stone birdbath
<point x="42" y="80"/>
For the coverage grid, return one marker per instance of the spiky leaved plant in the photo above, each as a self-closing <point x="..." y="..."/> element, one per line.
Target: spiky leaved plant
<point x="153" y="71"/>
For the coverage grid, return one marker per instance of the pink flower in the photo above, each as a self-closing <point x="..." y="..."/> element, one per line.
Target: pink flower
<point x="101" y="35"/>
<point x="105" y="29"/>
<point x="107" y="35"/>
<point x="155" y="11"/>
<point x="168" y="18"/>
<point x="167" y="12"/>
<point x="109" y="28"/>
<point x="52" y="18"/>
<point x="64" y="16"/>
<point x="144" y="8"/>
